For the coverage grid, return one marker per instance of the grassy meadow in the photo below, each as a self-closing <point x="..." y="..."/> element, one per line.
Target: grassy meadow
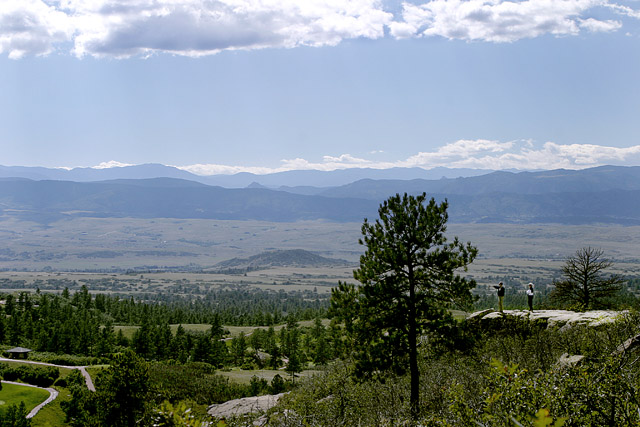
<point x="12" y="394"/>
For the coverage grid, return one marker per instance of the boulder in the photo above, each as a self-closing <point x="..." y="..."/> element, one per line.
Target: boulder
<point x="568" y="361"/>
<point x="244" y="406"/>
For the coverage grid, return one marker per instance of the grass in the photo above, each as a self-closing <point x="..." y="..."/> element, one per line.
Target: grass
<point x="12" y="394"/>
<point x="94" y="370"/>
<point x="244" y="377"/>
<point x="52" y="414"/>
<point x="129" y="331"/>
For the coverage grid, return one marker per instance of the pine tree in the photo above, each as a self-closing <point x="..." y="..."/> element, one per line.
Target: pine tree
<point x="408" y="283"/>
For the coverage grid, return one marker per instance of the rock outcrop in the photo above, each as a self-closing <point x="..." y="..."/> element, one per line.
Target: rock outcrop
<point x="244" y="406"/>
<point x="552" y="318"/>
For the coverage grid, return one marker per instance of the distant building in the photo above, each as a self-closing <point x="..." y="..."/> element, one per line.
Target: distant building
<point x="19" y="353"/>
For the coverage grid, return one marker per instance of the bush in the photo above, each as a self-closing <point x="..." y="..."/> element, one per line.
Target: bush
<point x="194" y="381"/>
<point x="335" y="398"/>
<point x="41" y="376"/>
<point x="68" y="359"/>
<point x="60" y="382"/>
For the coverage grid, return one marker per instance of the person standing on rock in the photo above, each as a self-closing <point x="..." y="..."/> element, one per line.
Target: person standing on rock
<point x="530" y="296"/>
<point x="500" y="289"/>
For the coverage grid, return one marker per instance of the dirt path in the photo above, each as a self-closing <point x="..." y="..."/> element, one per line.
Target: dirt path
<point x="53" y="393"/>
<point x="82" y="369"/>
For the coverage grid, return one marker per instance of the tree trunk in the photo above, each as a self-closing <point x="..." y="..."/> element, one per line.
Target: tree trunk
<point x="413" y="356"/>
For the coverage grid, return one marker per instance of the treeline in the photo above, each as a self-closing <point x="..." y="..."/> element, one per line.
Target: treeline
<point x="79" y="324"/>
<point x="516" y="298"/>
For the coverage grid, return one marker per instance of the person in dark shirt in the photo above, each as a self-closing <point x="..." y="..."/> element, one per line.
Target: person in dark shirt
<point x="501" y="290"/>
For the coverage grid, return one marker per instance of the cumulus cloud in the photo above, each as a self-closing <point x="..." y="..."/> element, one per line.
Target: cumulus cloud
<point x="32" y="27"/>
<point x="497" y="20"/>
<point x="125" y="28"/>
<point x="523" y="155"/>
<point x="474" y="154"/>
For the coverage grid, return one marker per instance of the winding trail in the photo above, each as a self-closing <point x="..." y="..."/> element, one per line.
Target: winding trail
<point x="53" y="393"/>
<point x="82" y="369"/>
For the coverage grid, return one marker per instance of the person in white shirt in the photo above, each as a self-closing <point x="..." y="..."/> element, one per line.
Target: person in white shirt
<point x="530" y="296"/>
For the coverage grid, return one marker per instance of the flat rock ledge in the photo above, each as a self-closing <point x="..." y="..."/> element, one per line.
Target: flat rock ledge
<point x="244" y="406"/>
<point x="553" y="318"/>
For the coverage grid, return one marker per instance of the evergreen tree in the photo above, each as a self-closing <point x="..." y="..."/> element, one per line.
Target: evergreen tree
<point x="408" y="282"/>
<point x="238" y="349"/>
<point x="123" y="392"/>
<point x="292" y="347"/>
<point x="217" y="330"/>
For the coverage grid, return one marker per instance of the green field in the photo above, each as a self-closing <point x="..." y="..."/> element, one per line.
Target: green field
<point x="129" y="331"/>
<point x="244" y="377"/>
<point x="12" y="394"/>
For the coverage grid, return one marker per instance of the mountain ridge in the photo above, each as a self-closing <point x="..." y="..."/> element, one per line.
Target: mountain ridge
<point x="309" y="178"/>
<point x="598" y="195"/>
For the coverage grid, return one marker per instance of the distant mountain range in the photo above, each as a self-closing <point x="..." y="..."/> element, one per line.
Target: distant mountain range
<point x="304" y="178"/>
<point x="603" y="178"/>
<point x="599" y="195"/>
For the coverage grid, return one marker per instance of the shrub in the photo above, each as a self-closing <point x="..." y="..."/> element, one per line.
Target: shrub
<point x="41" y="376"/>
<point x="194" y="381"/>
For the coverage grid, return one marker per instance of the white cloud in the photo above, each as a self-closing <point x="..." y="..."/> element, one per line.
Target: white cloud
<point x="124" y="28"/>
<point x="31" y="27"/>
<point x="214" y="169"/>
<point x="498" y="20"/>
<point x="474" y="154"/>
<point x="596" y="26"/>
<point x="111" y="164"/>
<point x="624" y="10"/>
<point x="523" y="155"/>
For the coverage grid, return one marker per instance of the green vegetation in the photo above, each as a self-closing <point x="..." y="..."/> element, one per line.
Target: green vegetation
<point x="583" y="284"/>
<point x="503" y="376"/>
<point x="52" y="414"/>
<point x="277" y="333"/>
<point x="408" y="285"/>
<point x="41" y="376"/>
<point x="12" y="394"/>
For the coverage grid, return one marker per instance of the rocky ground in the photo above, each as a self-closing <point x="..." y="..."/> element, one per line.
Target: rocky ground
<point x="553" y="318"/>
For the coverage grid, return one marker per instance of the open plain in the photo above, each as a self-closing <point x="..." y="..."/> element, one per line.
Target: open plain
<point x="151" y="255"/>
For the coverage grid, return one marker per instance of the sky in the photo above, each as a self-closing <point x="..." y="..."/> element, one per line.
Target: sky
<point x="225" y="86"/>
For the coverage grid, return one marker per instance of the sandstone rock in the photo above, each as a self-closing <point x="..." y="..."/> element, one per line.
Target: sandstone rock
<point x="554" y="318"/>
<point x="567" y="361"/>
<point x="244" y="406"/>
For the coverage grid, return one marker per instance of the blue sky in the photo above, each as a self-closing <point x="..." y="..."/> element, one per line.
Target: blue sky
<point x="223" y="86"/>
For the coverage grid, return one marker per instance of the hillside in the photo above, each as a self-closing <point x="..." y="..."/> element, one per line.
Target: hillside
<point x="46" y="201"/>
<point x="598" y="179"/>
<point x="281" y="258"/>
